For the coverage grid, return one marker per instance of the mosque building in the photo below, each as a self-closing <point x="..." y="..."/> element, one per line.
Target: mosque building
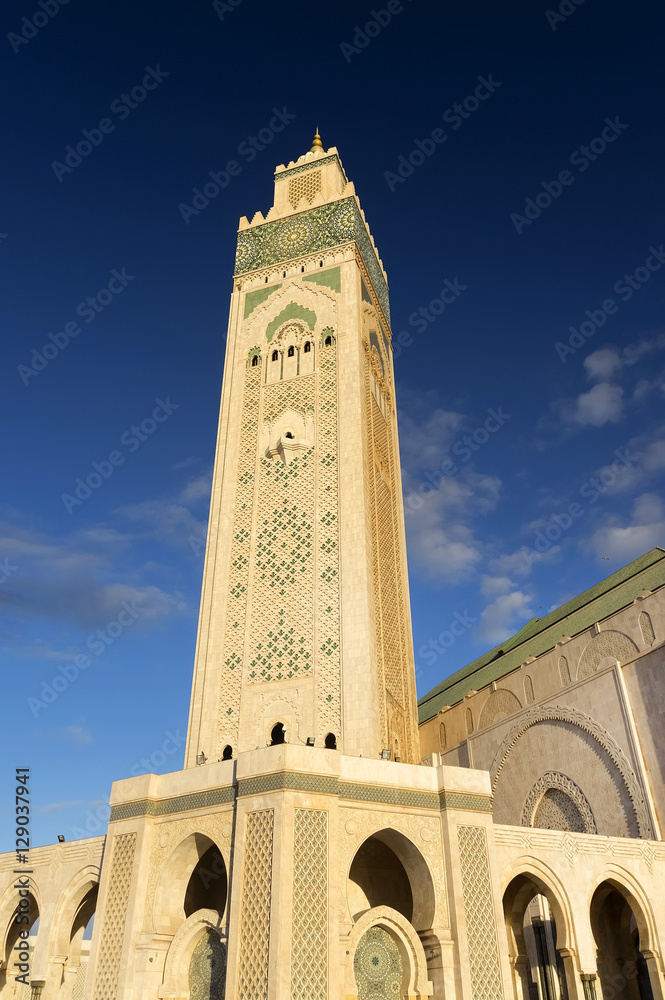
<point x="328" y="836"/>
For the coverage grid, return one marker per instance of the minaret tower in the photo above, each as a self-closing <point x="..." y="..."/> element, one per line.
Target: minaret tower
<point x="305" y="619"/>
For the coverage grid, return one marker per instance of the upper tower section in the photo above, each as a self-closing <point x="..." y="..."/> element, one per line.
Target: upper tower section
<point x="305" y="627"/>
<point x="315" y="208"/>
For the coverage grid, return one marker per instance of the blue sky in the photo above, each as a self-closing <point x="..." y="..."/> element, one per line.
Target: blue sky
<point x="532" y="208"/>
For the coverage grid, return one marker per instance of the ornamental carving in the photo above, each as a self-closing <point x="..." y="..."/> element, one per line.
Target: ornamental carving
<point x="609" y="643"/>
<point x="578" y="819"/>
<point x="167" y="836"/>
<point x="360" y="825"/>
<point x="557" y="713"/>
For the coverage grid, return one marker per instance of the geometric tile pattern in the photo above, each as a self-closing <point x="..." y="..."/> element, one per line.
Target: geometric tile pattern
<point x="327" y="617"/>
<point x="281" y="639"/>
<point x="307" y="166"/>
<point x="378" y="966"/>
<point x="255" y="915"/>
<point x="608" y="643"/>
<point x="207" y="969"/>
<point x="466" y="800"/>
<point x="115" y="915"/>
<point x="556" y="802"/>
<point x="175" y="804"/>
<point x="557" y="811"/>
<point x="389" y="599"/>
<point x="317" y="229"/>
<point x="79" y="981"/>
<point x="236" y="608"/>
<point x="484" y="967"/>
<point x="307" y="783"/>
<point x="646" y="628"/>
<point x="499" y="704"/>
<point x="305" y="186"/>
<point x="309" y="934"/>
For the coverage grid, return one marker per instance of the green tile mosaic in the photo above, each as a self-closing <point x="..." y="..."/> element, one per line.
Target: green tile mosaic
<point x="301" y="781"/>
<point x="254" y="299"/>
<point x="179" y="803"/>
<point x="308" y="166"/>
<point x="319" y="228"/>
<point x="330" y="278"/>
<point x="291" y="311"/>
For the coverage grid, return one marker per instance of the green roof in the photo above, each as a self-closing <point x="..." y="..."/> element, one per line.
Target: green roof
<point x="541" y="634"/>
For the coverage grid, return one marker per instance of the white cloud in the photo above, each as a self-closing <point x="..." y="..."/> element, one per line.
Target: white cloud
<point x="440" y="509"/>
<point x="78" y="735"/>
<point x="603" y="364"/>
<point x="601" y="405"/>
<point x="490" y="586"/>
<point x="505" y="616"/>
<point x="520" y="563"/>
<point x="62" y="581"/>
<point x="618" y="541"/>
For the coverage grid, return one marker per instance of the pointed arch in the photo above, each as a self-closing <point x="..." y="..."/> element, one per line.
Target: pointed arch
<point x="626" y="885"/>
<point x="173" y="882"/>
<point x="416" y="869"/>
<point x="76" y="903"/>
<point x="179" y="956"/>
<point x="414" y="963"/>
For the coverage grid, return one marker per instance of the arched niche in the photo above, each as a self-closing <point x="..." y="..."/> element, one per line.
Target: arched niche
<point x="176" y="981"/>
<point x="538" y="922"/>
<point x="414" y="982"/>
<point x="388" y="870"/>
<point x="175" y="889"/>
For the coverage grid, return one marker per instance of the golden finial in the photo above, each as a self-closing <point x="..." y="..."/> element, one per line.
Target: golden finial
<point x="316" y="144"/>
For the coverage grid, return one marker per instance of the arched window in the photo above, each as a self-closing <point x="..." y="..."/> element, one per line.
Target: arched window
<point x="277" y="734"/>
<point x="328" y="342"/>
<point x="207" y="886"/>
<point x="330" y="742"/>
<point x="291" y="351"/>
<point x="255" y="361"/>
<point x="227" y="753"/>
<point x="275" y="356"/>
<point x="307" y="348"/>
